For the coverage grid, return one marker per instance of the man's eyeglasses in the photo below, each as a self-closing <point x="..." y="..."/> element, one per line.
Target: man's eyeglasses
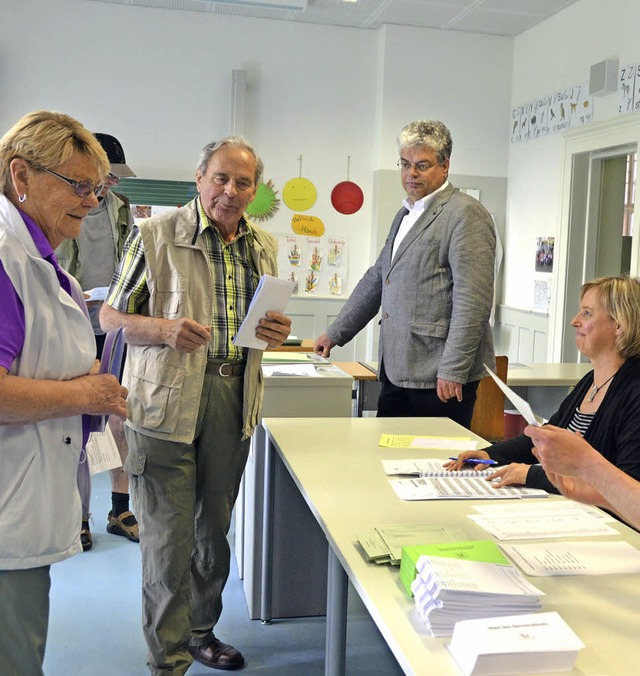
<point x="80" y="188"/>
<point x="420" y="167"/>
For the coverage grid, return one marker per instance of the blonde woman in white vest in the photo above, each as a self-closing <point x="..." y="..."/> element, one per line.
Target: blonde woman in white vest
<point x="51" y="171"/>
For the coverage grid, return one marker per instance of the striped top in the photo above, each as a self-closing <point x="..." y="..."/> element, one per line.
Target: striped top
<point x="580" y="422"/>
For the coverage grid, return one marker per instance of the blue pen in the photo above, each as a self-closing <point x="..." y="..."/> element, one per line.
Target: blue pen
<point x="477" y="461"/>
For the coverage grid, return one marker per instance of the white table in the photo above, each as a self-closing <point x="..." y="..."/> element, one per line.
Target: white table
<point x="544" y="386"/>
<point x="339" y="475"/>
<point x="328" y="395"/>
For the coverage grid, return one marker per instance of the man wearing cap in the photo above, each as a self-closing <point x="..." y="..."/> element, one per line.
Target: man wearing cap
<point x="92" y="259"/>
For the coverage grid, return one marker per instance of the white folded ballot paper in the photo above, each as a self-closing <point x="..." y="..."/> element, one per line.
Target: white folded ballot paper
<point x="272" y="294"/>
<point x="523" y="406"/>
<point x="514" y="645"/>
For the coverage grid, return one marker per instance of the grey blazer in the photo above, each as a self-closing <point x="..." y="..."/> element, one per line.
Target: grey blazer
<point x="435" y="296"/>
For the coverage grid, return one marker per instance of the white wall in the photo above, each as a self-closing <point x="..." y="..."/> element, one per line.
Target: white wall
<point x="160" y="80"/>
<point x="462" y="79"/>
<point x="555" y="54"/>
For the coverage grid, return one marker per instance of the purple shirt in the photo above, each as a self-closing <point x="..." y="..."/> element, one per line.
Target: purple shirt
<point x="12" y="325"/>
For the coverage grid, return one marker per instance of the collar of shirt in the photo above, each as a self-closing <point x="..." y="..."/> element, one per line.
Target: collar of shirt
<point x="414" y="211"/>
<point x="45" y="250"/>
<point x="419" y="206"/>
<point x="39" y="239"/>
<point x="205" y="222"/>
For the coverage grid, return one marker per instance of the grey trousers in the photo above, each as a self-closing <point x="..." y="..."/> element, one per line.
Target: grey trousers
<point x="183" y="496"/>
<point x="24" y="620"/>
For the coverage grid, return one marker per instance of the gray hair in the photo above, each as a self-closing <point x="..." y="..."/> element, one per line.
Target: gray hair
<point x="430" y="133"/>
<point x="236" y="141"/>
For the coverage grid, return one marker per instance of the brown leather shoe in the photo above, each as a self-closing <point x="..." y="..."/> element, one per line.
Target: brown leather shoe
<point x="217" y="655"/>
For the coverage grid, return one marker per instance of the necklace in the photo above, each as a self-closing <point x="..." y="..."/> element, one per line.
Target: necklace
<point x="595" y="389"/>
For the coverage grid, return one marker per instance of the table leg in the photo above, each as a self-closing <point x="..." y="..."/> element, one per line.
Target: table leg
<point x="267" y="532"/>
<point x="336" y="642"/>
<point x="359" y="397"/>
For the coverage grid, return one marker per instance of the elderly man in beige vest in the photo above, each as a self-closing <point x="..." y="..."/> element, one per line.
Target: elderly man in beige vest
<point x="181" y="292"/>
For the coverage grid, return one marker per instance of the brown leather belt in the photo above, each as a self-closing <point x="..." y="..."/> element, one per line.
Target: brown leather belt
<point x="225" y="369"/>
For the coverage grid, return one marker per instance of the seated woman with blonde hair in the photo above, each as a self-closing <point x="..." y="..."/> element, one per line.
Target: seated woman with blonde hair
<point x="604" y="407"/>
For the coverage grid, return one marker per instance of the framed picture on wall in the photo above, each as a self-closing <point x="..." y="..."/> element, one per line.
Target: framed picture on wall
<point x="544" y="254"/>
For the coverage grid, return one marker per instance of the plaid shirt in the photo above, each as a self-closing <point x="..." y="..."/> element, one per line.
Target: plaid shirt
<point x="233" y="276"/>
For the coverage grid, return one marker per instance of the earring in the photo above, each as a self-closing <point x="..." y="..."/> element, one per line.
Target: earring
<point x="22" y="198"/>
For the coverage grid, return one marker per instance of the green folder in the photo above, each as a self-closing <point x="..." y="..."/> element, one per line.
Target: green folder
<point x="486" y="551"/>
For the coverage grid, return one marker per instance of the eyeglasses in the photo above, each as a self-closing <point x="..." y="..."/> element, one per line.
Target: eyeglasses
<point x="420" y="167"/>
<point x="80" y="188"/>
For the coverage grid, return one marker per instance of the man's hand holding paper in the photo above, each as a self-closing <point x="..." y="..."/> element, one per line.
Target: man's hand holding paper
<point x="274" y="328"/>
<point x="265" y="325"/>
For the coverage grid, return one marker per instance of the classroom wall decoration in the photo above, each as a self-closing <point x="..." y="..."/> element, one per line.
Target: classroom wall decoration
<point x="265" y="204"/>
<point x="311" y="226"/>
<point x="544" y="254"/>
<point x="552" y="114"/>
<point x="316" y="265"/>
<point x="299" y="194"/>
<point x="629" y="89"/>
<point x="347" y="197"/>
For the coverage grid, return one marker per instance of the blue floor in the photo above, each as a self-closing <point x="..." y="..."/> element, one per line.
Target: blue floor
<point x="95" y="627"/>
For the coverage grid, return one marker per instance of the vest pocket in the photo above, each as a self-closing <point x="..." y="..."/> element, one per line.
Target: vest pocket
<point x="154" y="394"/>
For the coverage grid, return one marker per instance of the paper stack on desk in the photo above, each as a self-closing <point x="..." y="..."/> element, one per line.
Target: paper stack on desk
<point x="504" y="646"/>
<point x="448" y="590"/>
<point x="470" y="550"/>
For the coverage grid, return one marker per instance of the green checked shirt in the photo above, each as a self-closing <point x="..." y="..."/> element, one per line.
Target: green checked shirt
<point x="233" y="276"/>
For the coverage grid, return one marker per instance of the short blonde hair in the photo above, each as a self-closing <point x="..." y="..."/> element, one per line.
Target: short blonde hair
<point x="620" y="297"/>
<point x="47" y="139"/>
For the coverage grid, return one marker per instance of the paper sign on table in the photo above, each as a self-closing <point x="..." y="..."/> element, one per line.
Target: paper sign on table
<point x="435" y="443"/>
<point x="576" y="558"/>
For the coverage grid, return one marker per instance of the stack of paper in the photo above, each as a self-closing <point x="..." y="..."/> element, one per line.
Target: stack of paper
<point x="448" y="590"/>
<point x="472" y="550"/>
<point x="515" y="645"/>
<point x="459" y="488"/>
<point x="431" y="468"/>
<point x="384" y="544"/>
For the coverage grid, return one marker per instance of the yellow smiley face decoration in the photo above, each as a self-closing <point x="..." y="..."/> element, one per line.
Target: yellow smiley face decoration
<point x="299" y="194"/>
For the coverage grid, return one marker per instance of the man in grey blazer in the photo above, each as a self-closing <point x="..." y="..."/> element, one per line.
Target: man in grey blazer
<point x="433" y="283"/>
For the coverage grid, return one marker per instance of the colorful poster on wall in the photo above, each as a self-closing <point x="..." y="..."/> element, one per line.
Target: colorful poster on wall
<point x="552" y="114"/>
<point x="316" y="265"/>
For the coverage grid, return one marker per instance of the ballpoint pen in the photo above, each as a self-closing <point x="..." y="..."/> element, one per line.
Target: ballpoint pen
<point x="477" y="461"/>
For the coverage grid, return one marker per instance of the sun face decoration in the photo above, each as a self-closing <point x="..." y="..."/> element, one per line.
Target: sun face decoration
<point x="265" y="204"/>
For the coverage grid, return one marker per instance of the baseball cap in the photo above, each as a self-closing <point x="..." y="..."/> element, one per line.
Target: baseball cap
<point x="115" y="153"/>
